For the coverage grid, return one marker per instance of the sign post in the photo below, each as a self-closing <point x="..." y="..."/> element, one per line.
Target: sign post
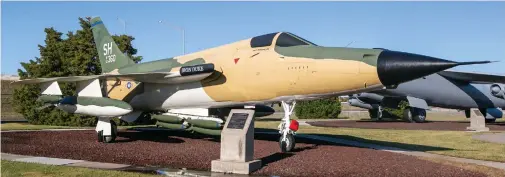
<point x="237" y="144"/>
<point x="477" y="121"/>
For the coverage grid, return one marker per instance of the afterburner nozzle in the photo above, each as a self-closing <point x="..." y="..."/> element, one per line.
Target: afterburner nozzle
<point x="395" y="67"/>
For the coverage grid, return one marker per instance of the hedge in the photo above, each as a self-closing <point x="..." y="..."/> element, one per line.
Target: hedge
<point x="318" y="109"/>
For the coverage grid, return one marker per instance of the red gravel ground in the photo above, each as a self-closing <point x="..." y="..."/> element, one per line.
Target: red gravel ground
<point x="163" y="149"/>
<point x="400" y="125"/>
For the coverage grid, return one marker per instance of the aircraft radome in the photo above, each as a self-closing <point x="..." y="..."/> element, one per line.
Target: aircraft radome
<point x="195" y="91"/>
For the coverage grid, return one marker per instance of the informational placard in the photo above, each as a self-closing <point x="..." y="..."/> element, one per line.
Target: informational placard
<point x="237" y="144"/>
<point x="237" y="120"/>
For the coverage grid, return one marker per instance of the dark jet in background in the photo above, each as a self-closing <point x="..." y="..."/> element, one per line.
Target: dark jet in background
<point x="445" y="89"/>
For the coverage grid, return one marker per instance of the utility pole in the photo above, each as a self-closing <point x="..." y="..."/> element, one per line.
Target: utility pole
<point x="183" y="34"/>
<point x="124" y="30"/>
<point x="124" y="24"/>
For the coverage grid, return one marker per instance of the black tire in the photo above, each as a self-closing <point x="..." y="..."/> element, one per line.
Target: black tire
<point x="113" y="130"/>
<point x="287" y="146"/>
<point x="373" y="113"/>
<point x="112" y="137"/>
<point x="418" y="115"/>
<point x="407" y="115"/>
<point x="490" y="120"/>
<point x="100" y="137"/>
<point x="113" y="133"/>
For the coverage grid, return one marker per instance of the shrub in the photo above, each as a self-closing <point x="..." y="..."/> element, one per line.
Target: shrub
<point x="398" y="112"/>
<point x="72" y="55"/>
<point x="318" y="109"/>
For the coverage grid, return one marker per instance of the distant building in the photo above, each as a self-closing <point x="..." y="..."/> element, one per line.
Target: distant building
<point x="7" y="110"/>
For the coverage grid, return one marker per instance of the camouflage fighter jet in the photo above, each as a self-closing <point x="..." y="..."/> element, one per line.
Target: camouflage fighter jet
<point x="447" y="89"/>
<point x="195" y="91"/>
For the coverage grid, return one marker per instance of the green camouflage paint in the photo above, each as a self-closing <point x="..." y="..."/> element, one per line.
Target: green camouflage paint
<point x="108" y="52"/>
<point x="368" y="56"/>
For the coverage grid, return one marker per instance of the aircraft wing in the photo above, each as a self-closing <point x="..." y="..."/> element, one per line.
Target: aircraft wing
<point x="473" y="77"/>
<point x="185" y="74"/>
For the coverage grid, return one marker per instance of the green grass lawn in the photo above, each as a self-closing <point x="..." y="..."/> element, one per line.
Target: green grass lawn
<point x="18" y="169"/>
<point x="451" y="143"/>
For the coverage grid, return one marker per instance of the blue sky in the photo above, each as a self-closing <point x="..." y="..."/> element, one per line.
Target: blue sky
<point x="461" y="31"/>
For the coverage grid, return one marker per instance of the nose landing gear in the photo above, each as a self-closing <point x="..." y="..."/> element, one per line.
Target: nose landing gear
<point x="287" y="128"/>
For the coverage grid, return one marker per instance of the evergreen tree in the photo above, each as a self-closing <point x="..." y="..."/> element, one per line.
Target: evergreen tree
<point x="75" y="55"/>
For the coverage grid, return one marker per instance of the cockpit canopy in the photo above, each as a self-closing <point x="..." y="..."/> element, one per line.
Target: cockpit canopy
<point x="285" y="39"/>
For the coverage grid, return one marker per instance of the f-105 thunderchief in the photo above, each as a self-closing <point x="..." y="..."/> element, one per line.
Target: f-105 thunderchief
<point x="195" y="91"/>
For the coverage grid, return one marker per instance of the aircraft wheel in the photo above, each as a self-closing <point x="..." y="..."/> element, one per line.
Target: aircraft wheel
<point x="100" y="137"/>
<point x="288" y="145"/>
<point x="112" y="137"/>
<point x="114" y="129"/>
<point x="407" y="115"/>
<point x="490" y="120"/>
<point x="373" y="113"/>
<point x="419" y="115"/>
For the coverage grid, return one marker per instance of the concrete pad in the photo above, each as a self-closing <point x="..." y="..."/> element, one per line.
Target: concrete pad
<point x="477" y="121"/>
<point x="98" y="165"/>
<point x="491" y="137"/>
<point x="77" y="129"/>
<point x="48" y="161"/>
<point x="235" y="166"/>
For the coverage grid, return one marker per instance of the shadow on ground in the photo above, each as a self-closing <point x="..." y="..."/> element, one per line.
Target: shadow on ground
<point x="268" y="135"/>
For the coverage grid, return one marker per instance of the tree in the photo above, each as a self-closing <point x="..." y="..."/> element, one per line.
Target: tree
<point x="75" y="55"/>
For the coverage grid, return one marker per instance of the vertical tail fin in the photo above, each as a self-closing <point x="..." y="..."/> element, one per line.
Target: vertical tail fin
<point x="109" y="54"/>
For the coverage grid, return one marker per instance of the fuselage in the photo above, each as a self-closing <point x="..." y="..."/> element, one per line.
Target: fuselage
<point x="442" y="92"/>
<point x="274" y="67"/>
<point x="247" y="75"/>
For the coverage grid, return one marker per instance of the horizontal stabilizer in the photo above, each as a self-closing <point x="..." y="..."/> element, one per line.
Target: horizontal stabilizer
<point x="472" y="77"/>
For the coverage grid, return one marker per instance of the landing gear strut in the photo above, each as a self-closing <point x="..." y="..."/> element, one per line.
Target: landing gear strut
<point x="287" y="139"/>
<point x="106" y="130"/>
<point x="376" y="114"/>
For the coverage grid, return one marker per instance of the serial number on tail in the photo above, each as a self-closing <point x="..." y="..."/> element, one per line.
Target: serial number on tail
<point x="110" y="58"/>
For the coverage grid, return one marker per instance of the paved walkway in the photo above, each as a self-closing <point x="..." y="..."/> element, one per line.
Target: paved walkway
<point x="491" y="137"/>
<point x="56" y="129"/>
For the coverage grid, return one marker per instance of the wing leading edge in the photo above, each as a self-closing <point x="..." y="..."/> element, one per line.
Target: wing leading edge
<point x="184" y="75"/>
<point x="473" y="77"/>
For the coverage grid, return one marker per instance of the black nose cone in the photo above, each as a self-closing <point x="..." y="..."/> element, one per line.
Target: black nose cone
<point x="395" y="67"/>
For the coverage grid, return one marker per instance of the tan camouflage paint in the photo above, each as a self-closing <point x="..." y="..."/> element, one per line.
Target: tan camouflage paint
<point x="263" y="74"/>
<point x="117" y="89"/>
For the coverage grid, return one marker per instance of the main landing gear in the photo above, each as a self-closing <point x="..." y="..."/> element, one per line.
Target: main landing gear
<point x="376" y="114"/>
<point x="287" y="128"/>
<point x="414" y="115"/>
<point x="106" y="130"/>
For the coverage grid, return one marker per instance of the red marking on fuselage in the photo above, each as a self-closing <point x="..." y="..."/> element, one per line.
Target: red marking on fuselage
<point x="236" y="60"/>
